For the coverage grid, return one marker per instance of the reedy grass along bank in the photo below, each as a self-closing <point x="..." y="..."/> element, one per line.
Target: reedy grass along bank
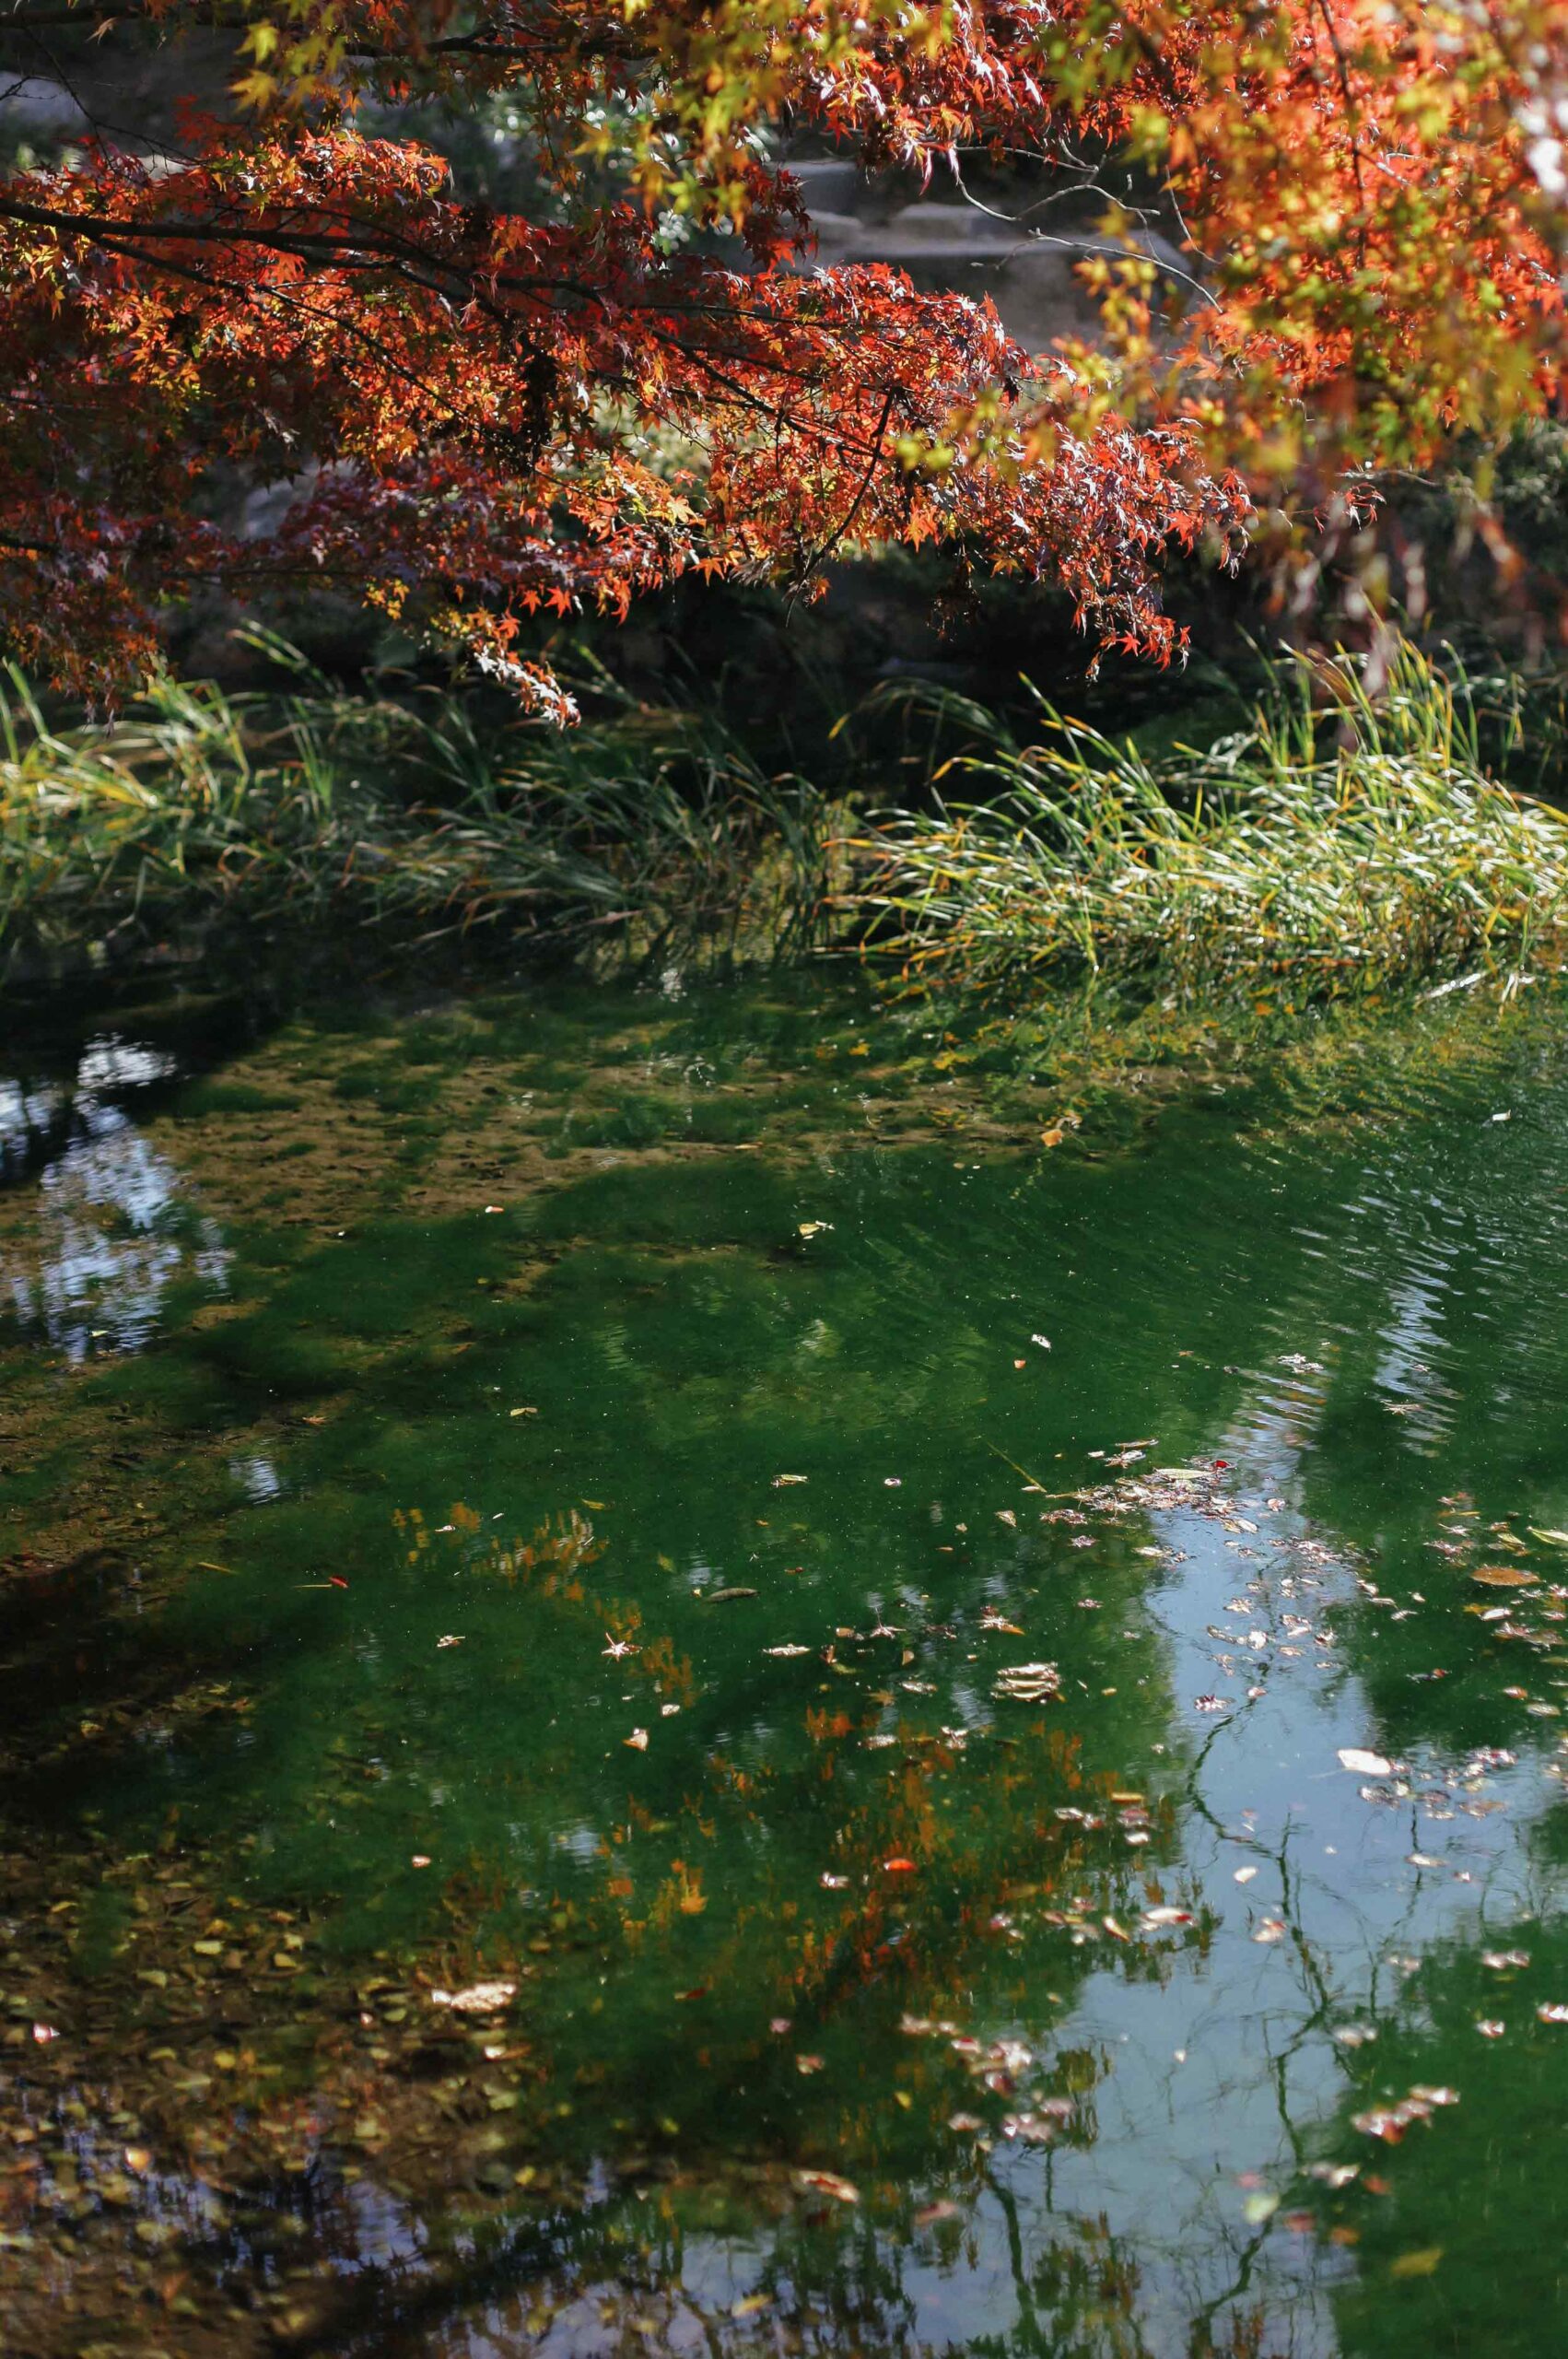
<point x="1344" y="841"/>
<point x="321" y="808"/>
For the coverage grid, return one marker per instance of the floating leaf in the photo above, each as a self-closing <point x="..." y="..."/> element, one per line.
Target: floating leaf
<point x="476" y="1999"/>
<point x="843" y="2190"/>
<point x="1026" y="1683"/>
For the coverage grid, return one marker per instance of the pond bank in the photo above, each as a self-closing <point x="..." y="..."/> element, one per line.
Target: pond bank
<point x="1343" y="843"/>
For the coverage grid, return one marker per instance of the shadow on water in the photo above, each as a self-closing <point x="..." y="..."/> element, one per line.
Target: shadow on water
<point x="666" y="1688"/>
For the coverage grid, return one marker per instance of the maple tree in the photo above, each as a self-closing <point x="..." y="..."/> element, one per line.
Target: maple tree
<point x="482" y="412"/>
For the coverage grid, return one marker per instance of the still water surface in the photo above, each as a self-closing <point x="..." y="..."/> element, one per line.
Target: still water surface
<point x="521" y="1515"/>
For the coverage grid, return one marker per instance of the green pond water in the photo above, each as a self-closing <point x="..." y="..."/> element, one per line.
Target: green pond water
<point x="520" y="1510"/>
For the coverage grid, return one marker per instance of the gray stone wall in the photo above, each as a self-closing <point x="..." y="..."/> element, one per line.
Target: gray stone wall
<point x="1026" y="265"/>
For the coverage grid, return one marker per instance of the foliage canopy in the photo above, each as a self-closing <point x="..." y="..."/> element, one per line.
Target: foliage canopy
<point x="481" y="412"/>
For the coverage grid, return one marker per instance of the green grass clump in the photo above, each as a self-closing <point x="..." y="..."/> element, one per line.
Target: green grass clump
<point x="321" y="810"/>
<point x="1343" y="842"/>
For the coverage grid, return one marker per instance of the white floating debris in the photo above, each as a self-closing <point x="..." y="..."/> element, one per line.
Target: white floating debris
<point x="478" y="1998"/>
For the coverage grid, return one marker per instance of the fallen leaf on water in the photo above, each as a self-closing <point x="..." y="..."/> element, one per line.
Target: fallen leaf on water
<point x="452" y="1639"/>
<point x="1244" y="1875"/>
<point x="814" y="1227"/>
<point x="1034" y="2129"/>
<point x="828" y="2183"/>
<point x="638" y="1739"/>
<point x="420" y="1859"/>
<point x="1272" y="1930"/>
<point x="781" y="1482"/>
<point x="522" y="1413"/>
<point x="749" y="2305"/>
<point x="1553" y="2011"/>
<point x="808" y="2063"/>
<point x="788" y="1651"/>
<point x="1504" y="1576"/>
<point x="1365" y="1765"/>
<point x="899" y="1868"/>
<point x="476" y="1999"/>
<point x="831" y="1883"/>
<point x="941" y="2210"/>
<point x="1490" y="2027"/>
<point x="1210" y="1703"/>
<point x="1423" y="2263"/>
<point x="723" y="1596"/>
<point x="1026" y="1683"/>
<point x="1390" y="2122"/>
